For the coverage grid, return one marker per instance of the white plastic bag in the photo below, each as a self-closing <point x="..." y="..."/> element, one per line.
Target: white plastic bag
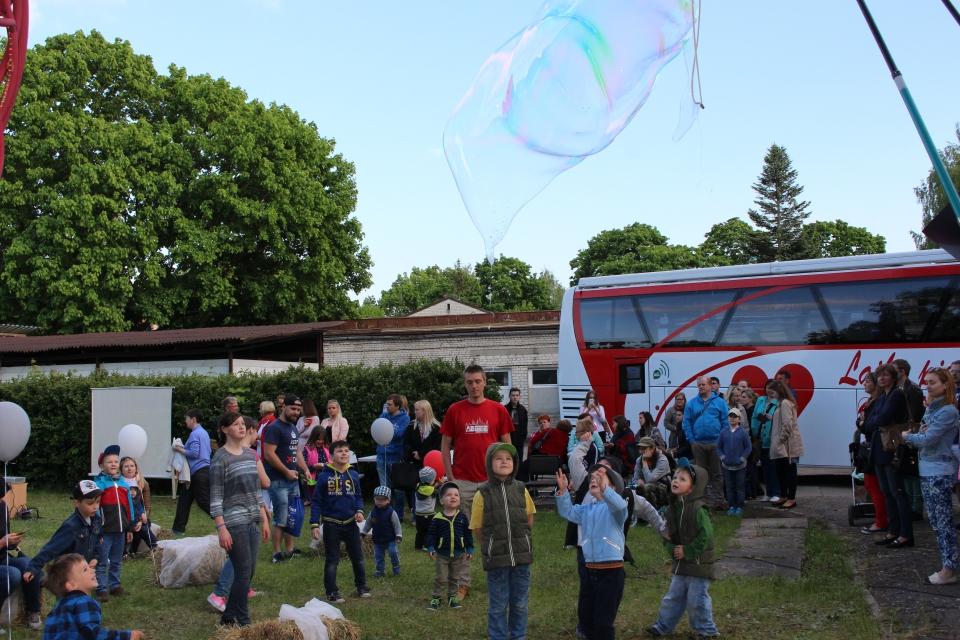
<point x="309" y="618"/>
<point x="196" y="561"/>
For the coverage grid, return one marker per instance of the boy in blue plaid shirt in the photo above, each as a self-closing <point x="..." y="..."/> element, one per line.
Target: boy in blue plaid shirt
<point x="76" y="615"/>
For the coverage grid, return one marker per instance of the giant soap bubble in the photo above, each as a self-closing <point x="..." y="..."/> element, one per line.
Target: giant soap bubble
<point x="560" y="90"/>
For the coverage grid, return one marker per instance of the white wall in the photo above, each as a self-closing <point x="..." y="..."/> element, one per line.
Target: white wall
<point x="268" y="366"/>
<point x="11" y="373"/>
<point x="209" y="367"/>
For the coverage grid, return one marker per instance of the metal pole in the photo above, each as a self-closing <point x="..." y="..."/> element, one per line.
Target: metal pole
<point x="938" y="166"/>
<point x="952" y="9"/>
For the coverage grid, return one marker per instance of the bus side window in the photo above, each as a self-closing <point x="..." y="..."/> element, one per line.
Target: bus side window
<point x="632" y="379"/>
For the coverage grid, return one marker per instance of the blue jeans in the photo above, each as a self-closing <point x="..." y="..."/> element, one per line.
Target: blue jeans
<point x="111" y="555"/>
<point x="690" y="594"/>
<point x="333" y="535"/>
<point x="14" y="575"/>
<point x="735" y="486"/>
<point x="281" y="491"/>
<point x="222" y="588"/>
<point x="769" y="473"/>
<point x="601" y="591"/>
<point x="379" y="548"/>
<point x="243" y="556"/>
<point x="508" y="588"/>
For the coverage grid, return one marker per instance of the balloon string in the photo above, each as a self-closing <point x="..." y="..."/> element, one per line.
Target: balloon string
<point x="6" y="556"/>
<point x="696" y="9"/>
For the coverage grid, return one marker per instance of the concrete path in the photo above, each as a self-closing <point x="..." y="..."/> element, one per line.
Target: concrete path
<point x="764" y="546"/>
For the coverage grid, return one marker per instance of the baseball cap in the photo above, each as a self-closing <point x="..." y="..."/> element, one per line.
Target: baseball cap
<point x="291" y="399"/>
<point x="86" y="489"/>
<point x="733" y="412"/>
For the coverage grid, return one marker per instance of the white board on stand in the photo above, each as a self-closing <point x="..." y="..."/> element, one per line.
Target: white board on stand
<point x="149" y="407"/>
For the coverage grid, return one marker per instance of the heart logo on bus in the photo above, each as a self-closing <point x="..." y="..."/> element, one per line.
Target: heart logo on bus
<point x="801" y="381"/>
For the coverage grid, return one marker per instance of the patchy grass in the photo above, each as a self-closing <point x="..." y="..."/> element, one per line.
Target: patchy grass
<point x="824" y="602"/>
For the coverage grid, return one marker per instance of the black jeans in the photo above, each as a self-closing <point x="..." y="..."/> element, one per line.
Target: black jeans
<point x="423" y="527"/>
<point x="787" y="478"/>
<point x="600" y="593"/>
<point x="899" y="513"/>
<point x="333" y="535"/>
<point x="198" y="490"/>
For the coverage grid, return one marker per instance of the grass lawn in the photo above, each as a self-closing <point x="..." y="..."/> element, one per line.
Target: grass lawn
<point x="825" y="602"/>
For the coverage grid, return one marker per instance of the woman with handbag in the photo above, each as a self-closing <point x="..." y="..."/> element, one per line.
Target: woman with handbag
<point x="938" y="468"/>
<point x="887" y="418"/>
<point x="786" y="444"/>
<point x="760" y="424"/>
<point x="870" y="481"/>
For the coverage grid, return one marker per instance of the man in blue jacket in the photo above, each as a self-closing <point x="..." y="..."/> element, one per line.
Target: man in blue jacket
<point x="703" y="419"/>
<point x="393" y="453"/>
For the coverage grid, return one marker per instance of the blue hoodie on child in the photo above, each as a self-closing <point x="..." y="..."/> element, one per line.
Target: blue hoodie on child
<point x="734" y="448"/>
<point x="601" y="525"/>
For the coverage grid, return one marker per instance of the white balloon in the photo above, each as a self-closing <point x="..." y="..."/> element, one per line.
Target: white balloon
<point x="133" y="441"/>
<point x="14" y="430"/>
<point x="382" y="431"/>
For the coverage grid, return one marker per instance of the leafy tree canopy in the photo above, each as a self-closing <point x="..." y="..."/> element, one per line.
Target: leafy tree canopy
<point x="729" y="242"/>
<point x="832" y="239"/>
<point x="931" y="195"/>
<point x="131" y="197"/>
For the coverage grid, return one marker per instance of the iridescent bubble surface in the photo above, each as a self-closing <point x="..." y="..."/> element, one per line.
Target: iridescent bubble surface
<point x="557" y="92"/>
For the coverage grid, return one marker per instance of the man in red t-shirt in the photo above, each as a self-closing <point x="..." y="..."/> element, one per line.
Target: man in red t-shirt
<point x="471" y="426"/>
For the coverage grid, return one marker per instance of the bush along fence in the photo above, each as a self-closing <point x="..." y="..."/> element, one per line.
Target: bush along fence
<point x="58" y="453"/>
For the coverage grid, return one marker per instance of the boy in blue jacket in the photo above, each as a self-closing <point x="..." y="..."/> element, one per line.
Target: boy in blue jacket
<point x="734" y="448"/>
<point x="338" y="503"/>
<point x="602" y="540"/>
<point x="81" y="533"/>
<point x="116" y="509"/>
<point x="450" y="544"/>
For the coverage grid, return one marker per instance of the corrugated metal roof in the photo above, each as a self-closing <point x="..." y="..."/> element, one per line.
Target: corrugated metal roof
<point x="38" y="344"/>
<point x="422" y="324"/>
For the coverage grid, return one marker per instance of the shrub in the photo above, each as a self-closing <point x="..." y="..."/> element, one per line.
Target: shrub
<point x="59" y="405"/>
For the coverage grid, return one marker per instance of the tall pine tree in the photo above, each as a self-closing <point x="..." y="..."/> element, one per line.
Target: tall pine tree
<point x="781" y="214"/>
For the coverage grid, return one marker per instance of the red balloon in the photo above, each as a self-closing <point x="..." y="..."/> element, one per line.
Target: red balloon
<point x="434" y="460"/>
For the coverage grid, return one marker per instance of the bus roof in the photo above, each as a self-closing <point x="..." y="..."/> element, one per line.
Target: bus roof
<point x="817" y="265"/>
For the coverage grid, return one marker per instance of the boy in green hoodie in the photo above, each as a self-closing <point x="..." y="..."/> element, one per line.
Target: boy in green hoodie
<point x="689" y="541"/>
<point x="501" y="518"/>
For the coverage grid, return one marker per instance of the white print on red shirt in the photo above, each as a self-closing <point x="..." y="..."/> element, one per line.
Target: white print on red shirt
<point x="476" y="426"/>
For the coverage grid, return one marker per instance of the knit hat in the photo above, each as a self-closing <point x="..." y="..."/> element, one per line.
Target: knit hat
<point x="382" y="492"/>
<point x="447" y="486"/>
<point x="428" y="475"/>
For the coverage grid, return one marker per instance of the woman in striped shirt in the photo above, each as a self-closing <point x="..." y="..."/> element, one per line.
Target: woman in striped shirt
<point x="236" y="506"/>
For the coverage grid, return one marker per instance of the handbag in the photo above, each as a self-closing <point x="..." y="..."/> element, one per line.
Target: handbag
<point x="906" y="461"/>
<point x="891" y="436"/>
<point x="404" y="476"/>
<point x="295" y="516"/>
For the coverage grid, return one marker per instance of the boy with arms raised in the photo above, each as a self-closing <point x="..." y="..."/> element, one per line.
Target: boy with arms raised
<point x="337" y="502"/>
<point x="502" y="521"/>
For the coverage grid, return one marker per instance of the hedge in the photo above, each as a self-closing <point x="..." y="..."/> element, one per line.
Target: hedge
<point x="59" y="405"/>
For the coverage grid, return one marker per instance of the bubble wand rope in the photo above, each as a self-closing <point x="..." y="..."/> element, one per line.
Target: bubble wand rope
<point x="6" y="558"/>
<point x="948" y="187"/>
<point x="952" y="9"/>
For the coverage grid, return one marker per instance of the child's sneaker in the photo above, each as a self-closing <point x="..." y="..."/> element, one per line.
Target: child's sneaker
<point x="396" y="571"/>
<point x="434" y="604"/>
<point x="217" y="602"/>
<point x="34" y="622"/>
<point x="731" y="511"/>
<point x="654" y="631"/>
<point x="335" y="598"/>
<point x="738" y="512"/>
<point x="364" y="592"/>
<point x="379" y="574"/>
<point x="454" y="603"/>
<point x="116" y="591"/>
<point x="102" y="596"/>
<point x="279" y="556"/>
<point x="252" y="593"/>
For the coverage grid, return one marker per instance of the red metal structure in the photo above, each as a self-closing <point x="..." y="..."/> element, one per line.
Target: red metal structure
<point x="13" y="18"/>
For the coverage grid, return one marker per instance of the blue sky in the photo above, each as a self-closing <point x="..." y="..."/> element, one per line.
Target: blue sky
<point x="382" y="78"/>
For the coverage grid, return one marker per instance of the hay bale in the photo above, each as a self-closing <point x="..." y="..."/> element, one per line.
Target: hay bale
<point x="366" y="544"/>
<point x="196" y="561"/>
<point x="342" y="629"/>
<point x="266" y="630"/>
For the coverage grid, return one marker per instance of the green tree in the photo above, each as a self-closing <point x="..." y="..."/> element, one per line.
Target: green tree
<point x="824" y="239"/>
<point x="510" y="284"/>
<point x="729" y="242"/>
<point x="132" y="198"/>
<point x="426" y="285"/>
<point x="636" y="248"/>
<point x="781" y="214"/>
<point x="931" y="195"/>
<point x="369" y="308"/>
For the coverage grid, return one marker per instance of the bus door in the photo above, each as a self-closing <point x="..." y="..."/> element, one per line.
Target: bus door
<point x="631" y="390"/>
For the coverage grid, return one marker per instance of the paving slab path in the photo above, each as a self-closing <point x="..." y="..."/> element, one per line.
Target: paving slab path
<point x="765" y="546"/>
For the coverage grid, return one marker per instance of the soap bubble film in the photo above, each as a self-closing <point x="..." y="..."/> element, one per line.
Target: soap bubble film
<point x="557" y="92"/>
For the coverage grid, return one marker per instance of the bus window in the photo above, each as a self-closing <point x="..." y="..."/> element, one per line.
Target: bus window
<point x="665" y="313"/>
<point x="947" y="326"/>
<point x="790" y="316"/>
<point x="891" y="310"/>
<point x="609" y="323"/>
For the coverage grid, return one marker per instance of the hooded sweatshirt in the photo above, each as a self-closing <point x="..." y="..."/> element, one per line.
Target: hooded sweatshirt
<point x="688" y="524"/>
<point x="601" y="523"/>
<point x="337" y="497"/>
<point x="506" y="530"/>
<point x="116" y="505"/>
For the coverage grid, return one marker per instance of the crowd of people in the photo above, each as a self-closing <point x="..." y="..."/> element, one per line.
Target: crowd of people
<point x="721" y="450"/>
